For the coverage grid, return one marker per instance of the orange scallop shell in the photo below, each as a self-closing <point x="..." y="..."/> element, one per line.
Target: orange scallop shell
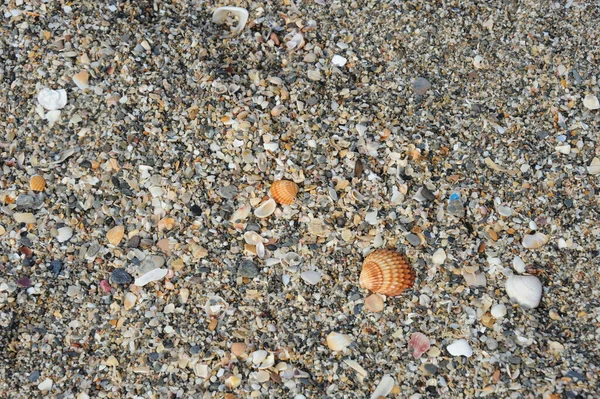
<point x="387" y="272"/>
<point x="284" y="191"/>
<point x="37" y="183"/>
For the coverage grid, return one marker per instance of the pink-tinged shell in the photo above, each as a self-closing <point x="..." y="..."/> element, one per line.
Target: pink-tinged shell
<point x="105" y="285"/>
<point x="284" y="191"/>
<point x="387" y="272"/>
<point x="419" y="344"/>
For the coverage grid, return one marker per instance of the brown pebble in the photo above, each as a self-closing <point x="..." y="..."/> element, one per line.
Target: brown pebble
<point x="238" y="348"/>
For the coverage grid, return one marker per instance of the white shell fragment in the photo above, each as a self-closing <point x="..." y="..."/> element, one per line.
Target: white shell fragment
<point x="498" y="311"/>
<point x="338" y="60"/>
<point x="438" y="257"/>
<point x="533" y="241"/>
<point x="221" y="13"/>
<point x="81" y="79"/>
<point x="518" y="264"/>
<point x="266" y="209"/>
<point x="24" y="217"/>
<point x="52" y="100"/>
<point x="591" y="102"/>
<point x="384" y="387"/>
<point x="476" y="279"/>
<point x="152" y="275"/>
<point x="337" y="341"/>
<point x="45" y="385"/>
<point x="594" y="167"/>
<point x="357" y="367"/>
<point x="252" y="238"/>
<point x="524" y="290"/>
<point x="460" y="348"/>
<point x="311" y="277"/>
<point x="64" y="234"/>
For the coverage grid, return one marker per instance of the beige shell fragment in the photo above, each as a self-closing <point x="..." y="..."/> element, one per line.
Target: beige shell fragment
<point x="374" y="303"/>
<point x="337" y="341"/>
<point x="533" y="241"/>
<point x="115" y="235"/>
<point x="266" y="209"/>
<point x="492" y="165"/>
<point x="81" y="80"/>
<point x="594" y="167"/>
<point x="591" y="102"/>
<point x="221" y="14"/>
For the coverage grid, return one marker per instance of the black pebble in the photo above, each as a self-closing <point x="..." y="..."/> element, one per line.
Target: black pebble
<point x="120" y="276"/>
<point x="196" y="210"/>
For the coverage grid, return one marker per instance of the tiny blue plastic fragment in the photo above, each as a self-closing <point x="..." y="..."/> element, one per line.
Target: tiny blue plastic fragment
<point x="454" y="197"/>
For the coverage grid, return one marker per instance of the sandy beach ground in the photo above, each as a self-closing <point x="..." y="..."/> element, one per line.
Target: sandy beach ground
<point x="142" y="257"/>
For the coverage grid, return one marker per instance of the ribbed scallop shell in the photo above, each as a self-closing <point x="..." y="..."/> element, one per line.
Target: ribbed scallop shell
<point x="37" y="183"/>
<point x="387" y="272"/>
<point x="284" y="191"/>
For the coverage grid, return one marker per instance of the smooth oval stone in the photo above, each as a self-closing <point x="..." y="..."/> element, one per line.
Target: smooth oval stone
<point x="120" y="276"/>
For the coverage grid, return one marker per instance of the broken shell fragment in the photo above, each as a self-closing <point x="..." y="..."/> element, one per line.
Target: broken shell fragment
<point x="284" y="191"/>
<point x="81" y="80"/>
<point x="524" y="290"/>
<point x="460" y="348"/>
<point x="221" y="13"/>
<point x="115" y="234"/>
<point x="52" y="100"/>
<point x="419" y="344"/>
<point x="337" y="341"/>
<point x="533" y="241"/>
<point x="252" y="238"/>
<point x="594" y="167"/>
<point x="591" y="102"/>
<point x="266" y="209"/>
<point x="374" y="303"/>
<point x="37" y="183"/>
<point x="387" y="272"/>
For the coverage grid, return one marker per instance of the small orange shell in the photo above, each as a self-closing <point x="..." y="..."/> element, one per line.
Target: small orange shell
<point x="37" y="183"/>
<point x="387" y="272"/>
<point x="284" y="191"/>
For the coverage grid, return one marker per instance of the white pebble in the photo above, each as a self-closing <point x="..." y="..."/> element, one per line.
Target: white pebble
<point x="338" y="60"/>
<point x="46" y="385"/>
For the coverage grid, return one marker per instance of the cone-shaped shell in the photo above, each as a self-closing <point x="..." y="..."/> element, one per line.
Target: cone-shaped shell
<point x="37" y="183"/>
<point x="387" y="272"/>
<point x="284" y="191"/>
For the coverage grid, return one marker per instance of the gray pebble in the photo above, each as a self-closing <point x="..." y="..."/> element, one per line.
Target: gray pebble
<point x="34" y="376"/>
<point x="491" y="343"/>
<point x="413" y="239"/>
<point x="25" y="201"/>
<point x="420" y="86"/>
<point x="431" y="368"/>
<point x="247" y="268"/>
<point x="120" y="276"/>
<point x="514" y="360"/>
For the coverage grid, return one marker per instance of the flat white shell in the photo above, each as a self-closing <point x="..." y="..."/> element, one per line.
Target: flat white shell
<point x="152" y="275"/>
<point x="460" y="348"/>
<point x="266" y="209"/>
<point x="533" y="241"/>
<point x="594" y="167"/>
<point x="524" y="290"/>
<point x="252" y="238"/>
<point x="311" y="277"/>
<point x="384" y="387"/>
<point x="64" y="233"/>
<point x="438" y="257"/>
<point x="591" y="102"/>
<point x="337" y="341"/>
<point x="52" y="100"/>
<point x="221" y="13"/>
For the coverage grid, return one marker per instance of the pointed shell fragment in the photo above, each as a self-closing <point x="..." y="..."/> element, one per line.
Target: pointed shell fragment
<point x="385" y="386"/>
<point x="266" y="209"/>
<point x="387" y="272"/>
<point x="81" y="80"/>
<point x="533" y="241"/>
<point x="284" y="191"/>
<point x="37" y="183"/>
<point x="419" y="343"/>
<point x="115" y="235"/>
<point x="594" y="167"/>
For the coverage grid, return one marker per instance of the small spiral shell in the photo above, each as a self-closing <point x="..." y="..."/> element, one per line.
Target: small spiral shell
<point x="284" y="191"/>
<point x="37" y="183"/>
<point x="387" y="272"/>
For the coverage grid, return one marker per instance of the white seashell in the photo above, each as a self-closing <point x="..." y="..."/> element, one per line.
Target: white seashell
<point x="266" y="209"/>
<point x="184" y="294"/>
<point x="295" y="42"/>
<point x="221" y="13"/>
<point x="475" y="279"/>
<point x="357" y="367"/>
<point x="52" y="117"/>
<point x="252" y="238"/>
<point x="498" y="311"/>
<point x="563" y="149"/>
<point x="338" y="60"/>
<point x="311" y="277"/>
<point x="152" y="275"/>
<point x="460" y="348"/>
<point x="533" y="241"/>
<point x="52" y="100"/>
<point x="129" y="301"/>
<point x="233" y="381"/>
<point x="45" y="385"/>
<point x="591" y="102"/>
<point x="397" y="197"/>
<point x="594" y="167"/>
<point x="525" y="290"/>
<point x="384" y="387"/>
<point x="241" y="214"/>
<point x="292" y="259"/>
<point x="371" y="218"/>
<point x="438" y="257"/>
<point x="337" y="341"/>
<point x="271" y="146"/>
<point x="260" y="250"/>
<point x="518" y="265"/>
<point x="505" y="211"/>
<point x="258" y="356"/>
<point x="562" y="244"/>
<point x="262" y="376"/>
<point x="64" y="234"/>
<point x="24" y="217"/>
